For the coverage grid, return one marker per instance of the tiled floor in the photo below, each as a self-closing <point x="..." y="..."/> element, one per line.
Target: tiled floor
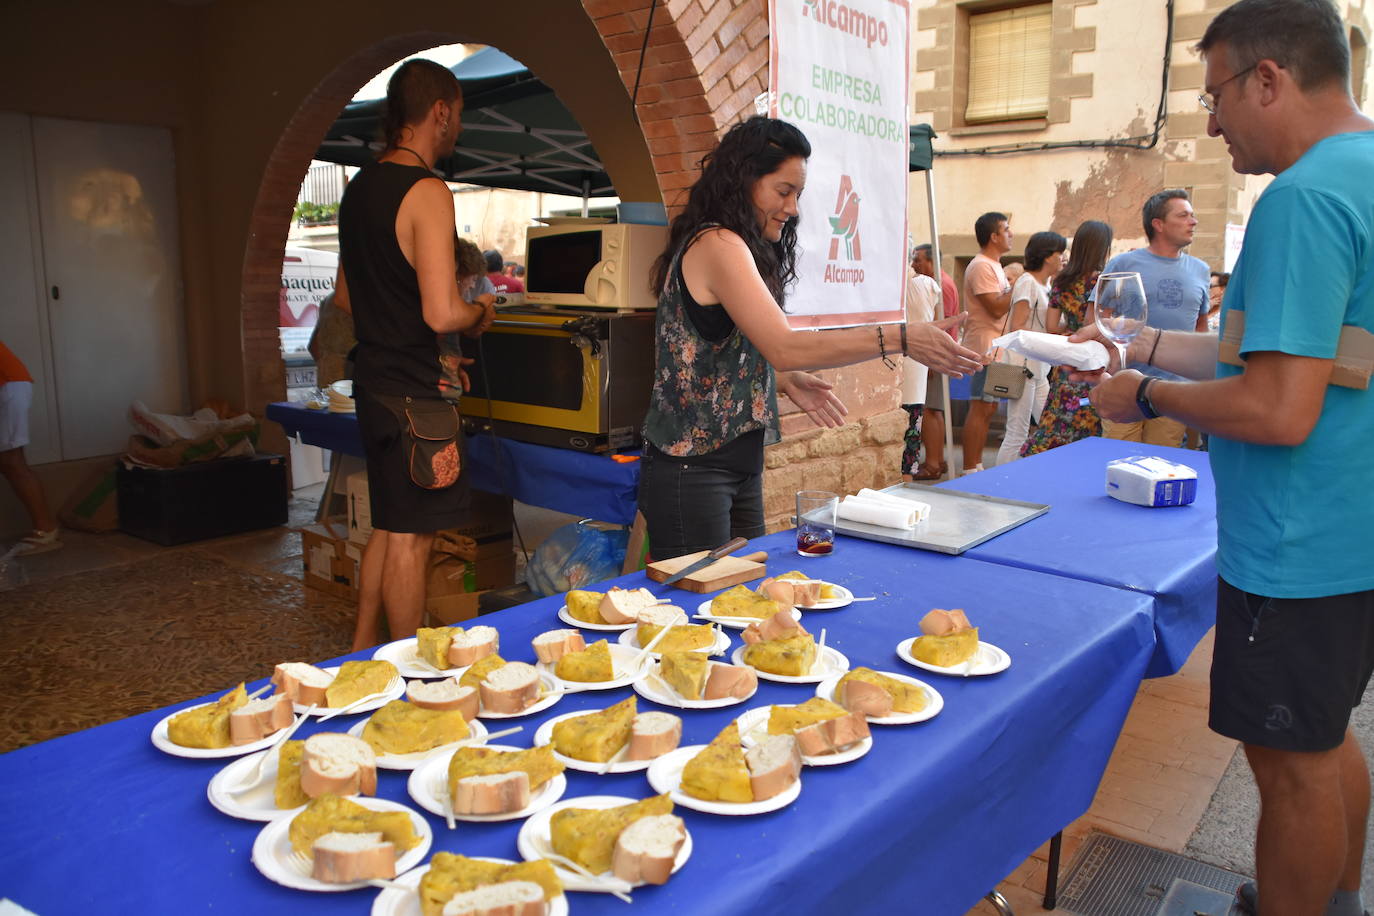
<point x="1160" y="778"/>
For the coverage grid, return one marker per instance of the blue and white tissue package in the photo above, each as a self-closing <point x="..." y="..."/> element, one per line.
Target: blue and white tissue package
<point x="1153" y="482"/>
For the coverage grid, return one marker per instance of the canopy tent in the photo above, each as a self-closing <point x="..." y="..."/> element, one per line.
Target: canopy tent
<point x="920" y="156"/>
<point x="516" y="134"/>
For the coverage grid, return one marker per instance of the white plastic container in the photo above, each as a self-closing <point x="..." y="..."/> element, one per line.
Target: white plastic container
<point x="1151" y="481"/>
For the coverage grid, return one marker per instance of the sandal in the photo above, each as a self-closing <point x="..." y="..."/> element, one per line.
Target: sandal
<point x="37" y="542"/>
<point x="926" y="472"/>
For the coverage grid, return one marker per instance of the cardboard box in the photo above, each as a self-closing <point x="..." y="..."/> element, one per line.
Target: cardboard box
<point x="331" y="559"/>
<point x="452" y="608"/>
<point x="459" y="565"/>
<point x="359" y="508"/>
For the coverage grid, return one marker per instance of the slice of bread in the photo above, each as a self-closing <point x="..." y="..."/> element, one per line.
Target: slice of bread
<point x="337" y="764"/>
<point x="776" y="626"/>
<point x="259" y="718"/>
<point x="444" y="695"/>
<point x="724" y="680"/>
<point x="645" y="851"/>
<point x="304" y="684"/>
<point x="830" y="736"/>
<point x="623" y="605"/>
<point x="341" y="858"/>
<point x="551" y="646"/>
<point x="493" y="793"/>
<point x="864" y="698"/>
<point x="506" y="898"/>
<point x="511" y="688"/>
<point x="473" y="644"/>
<point x="654" y="734"/>
<point x="774" y="764"/>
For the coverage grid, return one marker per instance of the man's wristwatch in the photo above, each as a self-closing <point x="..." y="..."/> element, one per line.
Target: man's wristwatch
<point x="1142" y="399"/>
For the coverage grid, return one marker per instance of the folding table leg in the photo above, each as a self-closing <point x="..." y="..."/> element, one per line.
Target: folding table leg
<point x="999" y="903"/>
<point x="1052" y="872"/>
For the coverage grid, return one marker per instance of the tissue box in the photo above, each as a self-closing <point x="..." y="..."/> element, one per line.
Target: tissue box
<point x="1152" y="482"/>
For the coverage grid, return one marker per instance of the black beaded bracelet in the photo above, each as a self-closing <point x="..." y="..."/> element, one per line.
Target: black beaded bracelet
<point x="882" y="350"/>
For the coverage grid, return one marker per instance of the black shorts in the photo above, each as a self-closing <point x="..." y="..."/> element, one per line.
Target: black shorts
<point x="397" y="503"/>
<point x="1287" y="671"/>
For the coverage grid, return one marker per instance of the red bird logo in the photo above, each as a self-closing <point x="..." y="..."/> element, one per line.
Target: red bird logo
<point x="845" y="223"/>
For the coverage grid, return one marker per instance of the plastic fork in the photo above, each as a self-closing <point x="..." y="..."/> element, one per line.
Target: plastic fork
<point x="251" y="782"/>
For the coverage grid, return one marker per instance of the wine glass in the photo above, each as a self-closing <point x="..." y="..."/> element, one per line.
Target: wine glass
<point x="1120" y="308"/>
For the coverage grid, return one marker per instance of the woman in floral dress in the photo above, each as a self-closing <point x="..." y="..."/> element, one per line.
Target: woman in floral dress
<point x="1067" y="415"/>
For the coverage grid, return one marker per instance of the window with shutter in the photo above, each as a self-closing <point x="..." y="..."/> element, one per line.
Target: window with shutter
<point x="1009" y="64"/>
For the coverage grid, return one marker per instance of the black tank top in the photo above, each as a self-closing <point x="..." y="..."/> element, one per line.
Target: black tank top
<point x="398" y="354"/>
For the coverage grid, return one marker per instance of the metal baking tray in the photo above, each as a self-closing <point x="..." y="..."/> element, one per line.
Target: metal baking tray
<point x="957" y="520"/>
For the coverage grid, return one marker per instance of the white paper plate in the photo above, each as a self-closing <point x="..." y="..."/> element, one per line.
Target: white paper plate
<point x="545" y="736"/>
<point x="257" y="804"/>
<point x="665" y="775"/>
<point x="273" y="857"/>
<point x="569" y="619"/>
<point x="630" y="640"/>
<point x="393" y="901"/>
<point x="753" y="728"/>
<point x="704" y="609"/>
<point x="934" y="702"/>
<point x="551" y="689"/>
<point x="394" y="691"/>
<point x="411" y="761"/>
<point x="829" y="663"/>
<point x="165" y="744"/>
<point x="988" y="659"/>
<point x="621" y="661"/>
<point x="534" y="842"/>
<point x="653" y="687"/>
<point x="402" y="654"/>
<point x="428" y="785"/>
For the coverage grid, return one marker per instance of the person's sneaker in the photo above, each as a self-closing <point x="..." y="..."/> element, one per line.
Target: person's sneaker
<point x="38" y="542"/>
<point x="975" y="469"/>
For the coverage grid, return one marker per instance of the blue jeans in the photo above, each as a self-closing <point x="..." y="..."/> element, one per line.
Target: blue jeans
<point x="689" y="508"/>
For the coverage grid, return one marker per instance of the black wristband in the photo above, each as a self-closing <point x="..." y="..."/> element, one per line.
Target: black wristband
<point x="904" y="353"/>
<point x="1142" y="399"/>
<point x="1150" y="360"/>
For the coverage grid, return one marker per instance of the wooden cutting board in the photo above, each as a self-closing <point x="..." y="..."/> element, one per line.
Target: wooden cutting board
<point x="723" y="573"/>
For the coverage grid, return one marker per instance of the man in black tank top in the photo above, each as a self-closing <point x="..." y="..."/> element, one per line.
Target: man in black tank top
<point x="396" y="267"/>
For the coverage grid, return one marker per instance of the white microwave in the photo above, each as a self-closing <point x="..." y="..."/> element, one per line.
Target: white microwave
<point x="588" y="264"/>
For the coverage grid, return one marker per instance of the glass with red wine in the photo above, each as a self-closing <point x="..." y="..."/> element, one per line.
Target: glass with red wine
<point x="816" y="522"/>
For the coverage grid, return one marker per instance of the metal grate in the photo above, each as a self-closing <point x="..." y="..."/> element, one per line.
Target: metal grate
<point x="1115" y="877"/>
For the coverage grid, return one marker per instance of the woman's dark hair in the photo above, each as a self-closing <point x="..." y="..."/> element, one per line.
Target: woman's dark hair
<point x="413" y="88"/>
<point x="1092" y="242"/>
<point x="723" y="196"/>
<point x="469" y="258"/>
<point x="1041" y="246"/>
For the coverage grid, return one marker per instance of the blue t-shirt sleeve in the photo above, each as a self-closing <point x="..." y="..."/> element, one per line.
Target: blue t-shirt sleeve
<point x="1298" y="273"/>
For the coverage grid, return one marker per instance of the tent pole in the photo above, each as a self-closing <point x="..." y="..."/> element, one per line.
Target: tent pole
<point x="586" y="195"/>
<point x="935" y="258"/>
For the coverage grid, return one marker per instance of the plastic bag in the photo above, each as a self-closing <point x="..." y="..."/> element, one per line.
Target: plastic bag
<point x="576" y="556"/>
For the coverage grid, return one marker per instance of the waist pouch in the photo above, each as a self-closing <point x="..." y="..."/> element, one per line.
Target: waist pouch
<point x="430" y="429"/>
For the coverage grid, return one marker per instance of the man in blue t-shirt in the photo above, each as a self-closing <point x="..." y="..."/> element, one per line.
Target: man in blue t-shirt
<point x="1295" y="597"/>
<point x="1176" y="290"/>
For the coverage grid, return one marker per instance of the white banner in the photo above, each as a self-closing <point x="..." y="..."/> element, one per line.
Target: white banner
<point x="839" y="72"/>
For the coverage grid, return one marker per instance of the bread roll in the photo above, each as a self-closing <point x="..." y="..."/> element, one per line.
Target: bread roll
<point x="777" y="626"/>
<point x="341" y="858"/>
<point x="864" y="698"/>
<point x="493" y="793"/>
<point x="444" y="695"/>
<point x="774" y="764"/>
<point x="724" y="680"/>
<point x="830" y="736"/>
<point x="645" y="850"/>
<point x="654" y="734"/>
<point x="472" y="644"/>
<point x="302" y="683"/>
<point x="257" y="719"/>
<point x="622" y="605"/>
<point x="507" y="898"/>
<point x="940" y="622"/>
<point x="338" y="764"/>
<point x="551" y="646"/>
<point x="511" y="688"/>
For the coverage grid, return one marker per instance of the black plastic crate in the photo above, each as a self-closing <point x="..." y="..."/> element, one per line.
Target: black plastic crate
<point x="205" y="500"/>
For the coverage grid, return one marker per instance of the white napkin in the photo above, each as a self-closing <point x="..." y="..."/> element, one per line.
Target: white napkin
<point x="1054" y="349"/>
<point x="886" y="512"/>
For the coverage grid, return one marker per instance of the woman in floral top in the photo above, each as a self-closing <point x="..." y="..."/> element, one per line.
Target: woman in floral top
<point x="722" y="333"/>
<point x="1067" y="415"/>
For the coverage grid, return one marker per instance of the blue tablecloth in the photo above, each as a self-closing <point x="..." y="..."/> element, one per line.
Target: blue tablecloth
<point x="939" y="812"/>
<point x="578" y="483"/>
<point x="1168" y="554"/>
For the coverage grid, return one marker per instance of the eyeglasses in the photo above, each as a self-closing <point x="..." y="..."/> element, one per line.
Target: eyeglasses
<point x="1208" y="100"/>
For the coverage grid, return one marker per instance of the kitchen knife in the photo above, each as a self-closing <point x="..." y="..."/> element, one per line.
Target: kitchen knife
<point x="725" y="549"/>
